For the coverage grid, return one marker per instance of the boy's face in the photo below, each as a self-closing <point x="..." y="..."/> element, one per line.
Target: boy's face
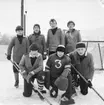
<point x="36" y="29"/>
<point x="60" y="54"/>
<point x="53" y="24"/>
<point x="81" y="51"/>
<point x="19" y="32"/>
<point x="33" y="53"/>
<point x="71" y="26"/>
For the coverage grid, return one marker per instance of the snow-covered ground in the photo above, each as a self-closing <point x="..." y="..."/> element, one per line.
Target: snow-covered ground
<point x="9" y="95"/>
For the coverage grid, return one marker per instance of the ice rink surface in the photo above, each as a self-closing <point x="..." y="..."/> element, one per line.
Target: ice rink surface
<point x="9" y="95"/>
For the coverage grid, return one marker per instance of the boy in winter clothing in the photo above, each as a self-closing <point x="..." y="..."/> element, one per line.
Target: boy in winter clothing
<point x="31" y="66"/>
<point x="83" y="62"/>
<point x="20" y="46"/>
<point x="72" y="36"/>
<point x="57" y="72"/>
<point x="39" y="39"/>
<point x="54" y="37"/>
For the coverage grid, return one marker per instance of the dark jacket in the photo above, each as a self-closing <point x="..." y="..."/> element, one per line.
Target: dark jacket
<point x="40" y="40"/>
<point x="18" y="49"/>
<point x="71" y="38"/>
<point x="86" y="66"/>
<point x="54" y="40"/>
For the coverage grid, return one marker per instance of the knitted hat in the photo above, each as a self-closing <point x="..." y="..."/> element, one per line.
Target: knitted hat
<point x="70" y="22"/>
<point x="34" y="47"/>
<point x="19" y="28"/>
<point x="60" y="48"/>
<point x="80" y="45"/>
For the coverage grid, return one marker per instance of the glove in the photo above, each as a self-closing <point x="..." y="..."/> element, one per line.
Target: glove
<point x="61" y="83"/>
<point x="29" y="76"/>
<point x="89" y="84"/>
<point x="9" y="57"/>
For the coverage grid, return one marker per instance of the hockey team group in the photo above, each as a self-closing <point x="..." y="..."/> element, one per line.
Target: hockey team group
<point x="68" y="63"/>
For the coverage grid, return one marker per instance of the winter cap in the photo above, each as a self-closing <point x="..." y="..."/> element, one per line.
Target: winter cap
<point x="19" y="28"/>
<point x="80" y="45"/>
<point x="34" y="47"/>
<point x="70" y="22"/>
<point x="60" y="48"/>
<point x="36" y="25"/>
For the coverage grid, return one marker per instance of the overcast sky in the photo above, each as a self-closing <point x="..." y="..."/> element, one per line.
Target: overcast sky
<point x="87" y="14"/>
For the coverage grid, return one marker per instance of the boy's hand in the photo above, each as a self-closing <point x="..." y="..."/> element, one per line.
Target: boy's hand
<point x="9" y="57"/>
<point x="89" y="83"/>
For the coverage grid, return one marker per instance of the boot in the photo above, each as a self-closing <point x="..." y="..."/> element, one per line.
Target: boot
<point x="16" y="84"/>
<point x="16" y="75"/>
<point x="66" y="101"/>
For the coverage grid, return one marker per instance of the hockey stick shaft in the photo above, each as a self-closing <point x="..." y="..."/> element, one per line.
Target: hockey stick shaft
<point x="87" y="82"/>
<point x="18" y="68"/>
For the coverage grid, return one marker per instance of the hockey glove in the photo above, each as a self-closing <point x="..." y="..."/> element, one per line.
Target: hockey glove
<point x="89" y="84"/>
<point x="9" y="57"/>
<point x="29" y="76"/>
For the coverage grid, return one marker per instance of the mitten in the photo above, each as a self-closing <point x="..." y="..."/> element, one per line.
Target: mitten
<point x="9" y="57"/>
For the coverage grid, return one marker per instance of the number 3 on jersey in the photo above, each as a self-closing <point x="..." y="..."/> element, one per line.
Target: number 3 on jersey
<point x="58" y="63"/>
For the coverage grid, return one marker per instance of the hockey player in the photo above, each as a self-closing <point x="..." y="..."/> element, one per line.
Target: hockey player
<point x="20" y="46"/>
<point x="54" y="37"/>
<point x="39" y="39"/>
<point x="72" y="36"/>
<point x="83" y="62"/>
<point x="58" y="67"/>
<point x="31" y="66"/>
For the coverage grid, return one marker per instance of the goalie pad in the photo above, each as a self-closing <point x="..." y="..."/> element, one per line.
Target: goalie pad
<point x="62" y="83"/>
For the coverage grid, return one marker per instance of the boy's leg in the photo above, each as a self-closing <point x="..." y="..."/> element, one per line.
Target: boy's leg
<point x="16" y="76"/>
<point x="83" y="87"/>
<point x="40" y="81"/>
<point x="66" y="97"/>
<point x="27" y="89"/>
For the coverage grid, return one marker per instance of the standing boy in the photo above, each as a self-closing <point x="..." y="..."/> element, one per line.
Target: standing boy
<point x="20" y="45"/>
<point x="72" y="36"/>
<point x="54" y="37"/>
<point x="39" y="39"/>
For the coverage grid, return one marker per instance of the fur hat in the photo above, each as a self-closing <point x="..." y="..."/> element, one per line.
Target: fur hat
<point x="60" y="48"/>
<point x="80" y="45"/>
<point x="19" y="28"/>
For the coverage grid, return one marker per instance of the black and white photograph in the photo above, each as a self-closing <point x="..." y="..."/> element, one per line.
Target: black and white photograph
<point x="51" y="52"/>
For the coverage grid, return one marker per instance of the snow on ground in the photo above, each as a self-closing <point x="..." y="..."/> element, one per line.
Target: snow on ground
<point x="9" y="95"/>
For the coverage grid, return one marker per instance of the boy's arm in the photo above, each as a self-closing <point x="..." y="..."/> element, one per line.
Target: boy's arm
<point x="9" y="50"/>
<point x="91" y="67"/>
<point x="62" y="38"/>
<point x="22" y="64"/>
<point x="79" y="37"/>
<point x="40" y="65"/>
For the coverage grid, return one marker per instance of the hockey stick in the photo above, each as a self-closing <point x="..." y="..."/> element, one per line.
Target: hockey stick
<point x="34" y="87"/>
<point x="87" y="82"/>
